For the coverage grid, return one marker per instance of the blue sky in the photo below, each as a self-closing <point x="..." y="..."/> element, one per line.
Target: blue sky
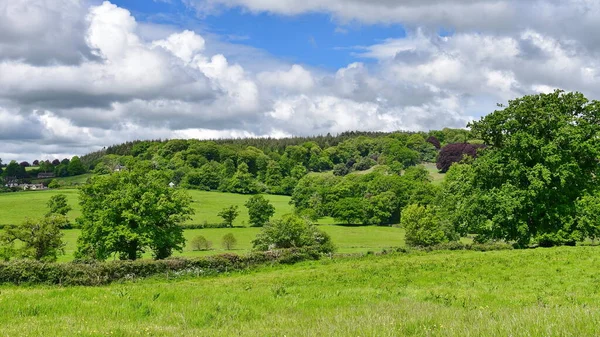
<point x="312" y="39"/>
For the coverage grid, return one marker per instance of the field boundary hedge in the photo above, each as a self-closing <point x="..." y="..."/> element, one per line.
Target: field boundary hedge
<point x="75" y="273"/>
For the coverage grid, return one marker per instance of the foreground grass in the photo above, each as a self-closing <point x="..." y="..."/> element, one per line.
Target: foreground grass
<point x="347" y="240"/>
<point x="543" y="292"/>
<point x="15" y="207"/>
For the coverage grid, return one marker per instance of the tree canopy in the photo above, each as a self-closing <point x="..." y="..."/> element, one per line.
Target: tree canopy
<point x="542" y="157"/>
<point x="129" y="212"/>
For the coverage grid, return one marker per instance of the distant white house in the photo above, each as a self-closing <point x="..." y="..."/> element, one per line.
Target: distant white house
<point x="171" y="184"/>
<point x="30" y="187"/>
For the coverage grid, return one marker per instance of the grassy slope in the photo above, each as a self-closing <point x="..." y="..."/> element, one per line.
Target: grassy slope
<point x="543" y="292"/>
<point x="435" y="174"/>
<point x="347" y="239"/>
<point x="14" y="207"/>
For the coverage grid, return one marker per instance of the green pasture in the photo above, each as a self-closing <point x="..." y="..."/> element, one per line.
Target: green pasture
<point x="536" y="292"/>
<point x="15" y="207"/>
<point x="347" y="239"/>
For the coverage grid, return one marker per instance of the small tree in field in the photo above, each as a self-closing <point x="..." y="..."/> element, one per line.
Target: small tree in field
<point x="260" y="210"/>
<point x="229" y="214"/>
<point x="229" y="241"/>
<point x="201" y="243"/>
<point x="58" y="205"/>
<point x="39" y="239"/>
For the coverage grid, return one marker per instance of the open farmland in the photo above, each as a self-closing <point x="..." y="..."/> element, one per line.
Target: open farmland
<point x="15" y="207"/>
<point x="542" y="292"/>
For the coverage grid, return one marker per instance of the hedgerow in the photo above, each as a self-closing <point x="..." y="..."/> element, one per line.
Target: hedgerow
<point x="93" y="273"/>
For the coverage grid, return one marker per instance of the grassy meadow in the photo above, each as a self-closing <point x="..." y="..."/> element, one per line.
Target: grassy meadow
<point x="347" y="240"/>
<point x="537" y="292"/>
<point x="15" y="207"/>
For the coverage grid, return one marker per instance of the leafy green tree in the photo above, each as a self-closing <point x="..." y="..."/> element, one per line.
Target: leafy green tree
<point x="229" y="214"/>
<point x="292" y="231"/>
<point x="379" y="209"/>
<point x="229" y="241"/>
<point x="46" y="166"/>
<point x="543" y="157"/>
<point x="39" y="239"/>
<point x="58" y="205"/>
<point x="588" y="217"/>
<point x="129" y="212"/>
<point x="349" y="210"/>
<point x="260" y="210"/>
<point x="76" y="167"/>
<point x="208" y="177"/>
<point x="242" y="181"/>
<point x="424" y="227"/>
<point x="13" y="169"/>
<point x="201" y="243"/>
<point x="273" y="176"/>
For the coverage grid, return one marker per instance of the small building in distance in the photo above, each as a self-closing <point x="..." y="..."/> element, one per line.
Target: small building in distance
<point x="46" y="175"/>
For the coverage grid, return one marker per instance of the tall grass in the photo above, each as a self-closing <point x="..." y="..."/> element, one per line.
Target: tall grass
<point x="543" y="292"/>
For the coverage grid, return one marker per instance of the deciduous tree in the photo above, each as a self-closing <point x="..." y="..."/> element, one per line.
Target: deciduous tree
<point x="129" y="212"/>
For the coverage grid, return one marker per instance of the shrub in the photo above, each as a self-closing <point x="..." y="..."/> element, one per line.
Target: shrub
<point x="292" y="232"/>
<point x="424" y="227"/>
<point x="201" y="243"/>
<point x="229" y="241"/>
<point x="454" y="153"/>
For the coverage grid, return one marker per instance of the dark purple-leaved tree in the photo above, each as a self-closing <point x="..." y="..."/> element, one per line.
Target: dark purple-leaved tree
<point x="434" y="141"/>
<point x="454" y="153"/>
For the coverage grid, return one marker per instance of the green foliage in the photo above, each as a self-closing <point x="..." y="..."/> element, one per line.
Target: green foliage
<point x="424" y="227"/>
<point x="588" y="216"/>
<point x="201" y="243"/>
<point x="292" y="232"/>
<point x="94" y="273"/>
<point x="76" y="167"/>
<point x="54" y="184"/>
<point x="229" y="214"/>
<point x="58" y="205"/>
<point x="39" y="239"/>
<point x="229" y="241"/>
<point x="543" y="157"/>
<point x="13" y="169"/>
<point x="131" y="211"/>
<point x="260" y="210"/>
<point x="242" y="181"/>
<point x="349" y="210"/>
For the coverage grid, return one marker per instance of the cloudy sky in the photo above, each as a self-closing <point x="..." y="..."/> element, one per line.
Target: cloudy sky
<point x="77" y="75"/>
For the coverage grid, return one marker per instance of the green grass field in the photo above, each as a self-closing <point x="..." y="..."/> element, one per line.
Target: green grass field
<point x="436" y="176"/>
<point x="541" y="292"/>
<point x="347" y="240"/>
<point x="15" y="207"/>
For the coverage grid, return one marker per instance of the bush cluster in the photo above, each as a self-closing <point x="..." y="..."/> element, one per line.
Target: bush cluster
<point x="88" y="273"/>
